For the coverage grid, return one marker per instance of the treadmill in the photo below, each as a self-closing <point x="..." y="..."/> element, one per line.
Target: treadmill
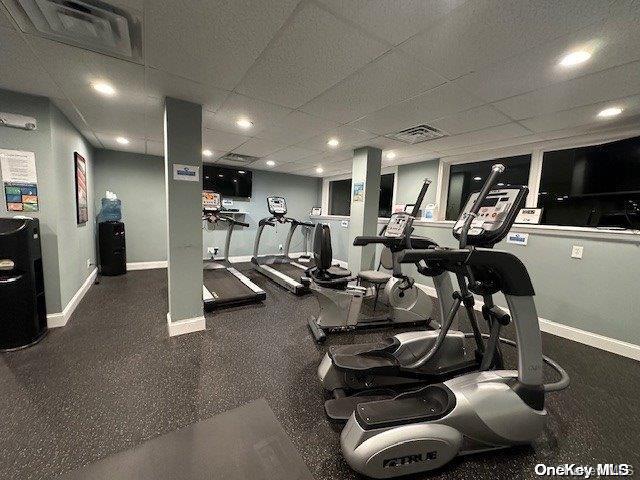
<point x="281" y="268"/>
<point x="223" y="285"/>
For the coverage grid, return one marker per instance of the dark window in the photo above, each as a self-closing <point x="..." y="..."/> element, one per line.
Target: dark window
<point x="597" y="186"/>
<point x="340" y="196"/>
<point x="467" y="178"/>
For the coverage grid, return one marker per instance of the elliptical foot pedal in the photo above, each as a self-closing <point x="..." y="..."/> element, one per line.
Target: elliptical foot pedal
<point x="340" y="409"/>
<point x="316" y="331"/>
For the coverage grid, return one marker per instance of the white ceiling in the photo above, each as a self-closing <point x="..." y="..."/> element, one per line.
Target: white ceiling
<point x="483" y="71"/>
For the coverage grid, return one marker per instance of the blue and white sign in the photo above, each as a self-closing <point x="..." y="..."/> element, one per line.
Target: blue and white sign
<point x="518" y="238"/>
<point x="186" y="173"/>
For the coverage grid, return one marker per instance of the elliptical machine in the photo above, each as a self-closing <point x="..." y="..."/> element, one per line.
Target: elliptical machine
<point x="489" y="409"/>
<point x="409" y="303"/>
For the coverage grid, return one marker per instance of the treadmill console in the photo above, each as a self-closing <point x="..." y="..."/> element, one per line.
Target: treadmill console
<point x="398" y="225"/>
<point x="210" y="201"/>
<point x="277" y="205"/>
<point x="497" y="213"/>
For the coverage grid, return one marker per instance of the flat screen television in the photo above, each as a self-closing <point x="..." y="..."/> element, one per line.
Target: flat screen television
<point x="228" y="182"/>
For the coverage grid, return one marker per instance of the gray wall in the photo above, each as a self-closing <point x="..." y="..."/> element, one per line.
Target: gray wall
<point x="65" y="245"/>
<point x="597" y="294"/>
<point x="139" y="181"/>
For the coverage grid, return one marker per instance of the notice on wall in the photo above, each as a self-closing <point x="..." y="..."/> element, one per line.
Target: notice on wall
<point x="19" y="179"/>
<point x="529" y="215"/>
<point x="186" y="173"/>
<point x="358" y="192"/>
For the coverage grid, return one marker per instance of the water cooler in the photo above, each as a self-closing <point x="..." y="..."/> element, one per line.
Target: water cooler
<point x="23" y="312"/>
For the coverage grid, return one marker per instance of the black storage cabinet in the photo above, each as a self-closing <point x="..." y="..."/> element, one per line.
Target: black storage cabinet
<point x="113" y="252"/>
<point x="23" y="311"/>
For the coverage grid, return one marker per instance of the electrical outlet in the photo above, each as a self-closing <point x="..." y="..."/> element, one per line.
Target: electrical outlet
<point x="211" y="250"/>
<point x="576" y="251"/>
<point x="280" y="247"/>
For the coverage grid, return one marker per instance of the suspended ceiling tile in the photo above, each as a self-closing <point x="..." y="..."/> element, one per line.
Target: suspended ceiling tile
<point x="469" y="120"/>
<point x="481" y="33"/>
<point x="211" y="42"/>
<point x="221" y="141"/>
<point x="389" y="79"/>
<point x="258" y="147"/>
<point x="312" y="52"/>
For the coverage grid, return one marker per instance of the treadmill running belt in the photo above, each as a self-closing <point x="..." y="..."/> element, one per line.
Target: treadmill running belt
<point x="224" y="284"/>
<point x="241" y="444"/>
<point x="289" y="270"/>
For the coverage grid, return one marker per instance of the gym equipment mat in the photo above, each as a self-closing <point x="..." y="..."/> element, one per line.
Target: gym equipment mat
<point x="244" y="443"/>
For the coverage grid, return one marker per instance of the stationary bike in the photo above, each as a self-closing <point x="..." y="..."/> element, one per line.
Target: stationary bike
<point x="408" y="302"/>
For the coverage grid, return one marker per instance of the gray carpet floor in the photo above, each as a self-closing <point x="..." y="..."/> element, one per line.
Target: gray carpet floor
<point x="112" y="379"/>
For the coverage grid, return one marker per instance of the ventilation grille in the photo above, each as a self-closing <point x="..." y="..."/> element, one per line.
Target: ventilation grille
<point x="237" y="159"/>
<point x="417" y="134"/>
<point x="89" y="24"/>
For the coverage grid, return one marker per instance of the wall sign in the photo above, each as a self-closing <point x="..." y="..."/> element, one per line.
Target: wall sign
<point x="344" y="223"/>
<point x="82" y="198"/>
<point x="186" y="173"/>
<point x="19" y="180"/>
<point x="316" y="211"/>
<point x="358" y="192"/>
<point x="518" y="238"/>
<point x="529" y="215"/>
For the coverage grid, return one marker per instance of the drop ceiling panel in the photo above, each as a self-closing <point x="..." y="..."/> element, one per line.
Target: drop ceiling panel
<point x="69" y="110"/>
<point x="258" y="147"/>
<point x="617" y="82"/>
<point x="211" y="42"/>
<point x="481" y="33"/>
<point x="136" y="145"/>
<point x="393" y="20"/>
<point x="290" y="154"/>
<point x="221" y="141"/>
<point x="486" y="136"/>
<point x="438" y="102"/>
<point x="583" y="116"/>
<point x="161" y="84"/>
<point x="384" y="143"/>
<point x="76" y="69"/>
<point x="238" y="106"/>
<point x="154" y="119"/>
<point x="612" y="43"/>
<point x="119" y="120"/>
<point x="474" y="119"/>
<point x="347" y="136"/>
<point x="5" y="18"/>
<point x="314" y="51"/>
<point x="389" y="79"/>
<point x="305" y="123"/>
<point x="20" y="69"/>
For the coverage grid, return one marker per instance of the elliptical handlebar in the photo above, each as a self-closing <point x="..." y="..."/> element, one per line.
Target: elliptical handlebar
<point x="496" y="170"/>
<point x="423" y="192"/>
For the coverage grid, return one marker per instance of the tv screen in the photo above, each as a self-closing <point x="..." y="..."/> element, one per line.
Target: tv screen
<point x="228" y="182"/>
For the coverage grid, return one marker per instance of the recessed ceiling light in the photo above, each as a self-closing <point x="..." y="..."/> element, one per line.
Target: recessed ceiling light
<point x="207" y="153"/>
<point x="333" y="142"/>
<point x="575" y="58"/>
<point x="319" y="170"/>
<point x="104" y="88"/>
<point x="241" y="171"/>
<point x="244" y="123"/>
<point x="391" y="155"/>
<point x="122" y="140"/>
<point x="270" y="163"/>
<point x="501" y="184"/>
<point x="610" y="112"/>
<point x="221" y="175"/>
<point x="477" y="179"/>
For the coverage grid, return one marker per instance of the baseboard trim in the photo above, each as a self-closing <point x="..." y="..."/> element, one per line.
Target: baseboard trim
<point x="146" y="265"/>
<point x="60" y="319"/>
<point x="585" y="337"/>
<point x="188" y="325"/>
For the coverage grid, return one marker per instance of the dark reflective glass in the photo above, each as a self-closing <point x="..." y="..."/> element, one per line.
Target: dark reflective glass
<point x="467" y="178"/>
<point x="340" y="196"/>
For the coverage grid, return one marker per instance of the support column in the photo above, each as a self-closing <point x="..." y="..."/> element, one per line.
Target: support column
<point x="183" y="170"/>
<point x="365" y="196"/>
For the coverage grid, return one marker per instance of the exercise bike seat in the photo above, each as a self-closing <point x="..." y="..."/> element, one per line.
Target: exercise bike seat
<point x="426" y="404"/>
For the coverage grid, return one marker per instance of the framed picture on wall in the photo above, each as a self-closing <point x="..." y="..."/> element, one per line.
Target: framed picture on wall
<point x="82" y="202"/>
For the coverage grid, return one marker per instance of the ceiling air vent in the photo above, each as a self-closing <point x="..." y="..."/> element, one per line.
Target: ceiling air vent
<point x="89" y="24"/>
<point x="417" y="134"/>
<point x="237" y="159"/>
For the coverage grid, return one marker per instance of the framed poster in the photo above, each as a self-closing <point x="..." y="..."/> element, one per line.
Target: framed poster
<point x="82" y="202"/>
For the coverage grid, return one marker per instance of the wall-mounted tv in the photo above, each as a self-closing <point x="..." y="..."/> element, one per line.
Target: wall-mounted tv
<point x="228" y="182"/>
